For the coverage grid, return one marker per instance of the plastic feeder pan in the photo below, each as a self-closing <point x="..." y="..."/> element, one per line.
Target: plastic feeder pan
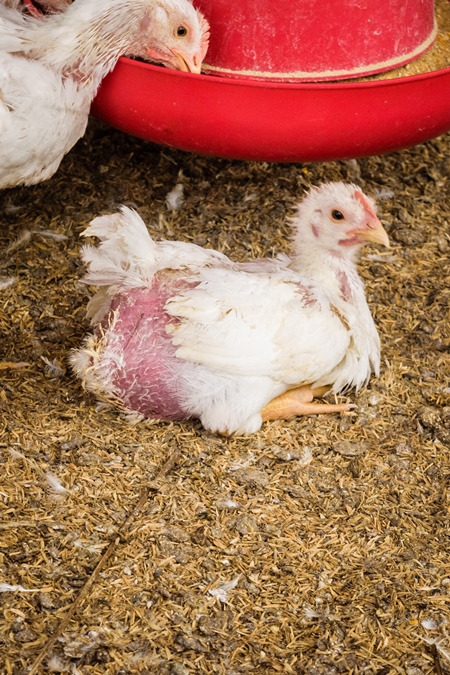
<point x="270" y="121"/>
<point x="300" y="40"/>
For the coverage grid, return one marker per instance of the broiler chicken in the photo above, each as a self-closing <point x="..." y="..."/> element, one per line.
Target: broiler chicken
<point x="50" y="71"/>
<point x="184" y="332"/>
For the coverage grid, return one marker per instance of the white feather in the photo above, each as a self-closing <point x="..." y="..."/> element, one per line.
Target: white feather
<point x="175" y="198"/>
<point x="55" y="484"/>
<point x="15" y="454"/>
<point x="127" y="257"/>
<point x="8" y="588"/>
<point x="242" y="322"/>
<point x="6" y="282"/>
<point x="48" y="234"/>
<point x="52" y="368"/>
<point x="222" y="590"/>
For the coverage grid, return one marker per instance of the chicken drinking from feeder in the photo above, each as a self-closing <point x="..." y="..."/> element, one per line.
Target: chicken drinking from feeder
<point x="254" y="105"/>
<point x="50" y="70"/>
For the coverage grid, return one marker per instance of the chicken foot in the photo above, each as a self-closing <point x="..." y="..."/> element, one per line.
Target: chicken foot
<point x="298" y="402"/>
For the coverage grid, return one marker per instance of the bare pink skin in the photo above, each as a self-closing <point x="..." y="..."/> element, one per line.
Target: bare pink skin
<point x="147" y="380"/>
<point x="36" y="9"/>
<point x="148" y="377"/>
<point x="346" y="291"/>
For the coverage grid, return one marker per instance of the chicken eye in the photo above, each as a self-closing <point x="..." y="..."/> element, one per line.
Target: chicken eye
<point x="181" y="31"/>
<point x="337" y="215"/>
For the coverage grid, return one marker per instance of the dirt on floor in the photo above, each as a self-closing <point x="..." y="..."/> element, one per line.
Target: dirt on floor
<point x="318" y="545"/>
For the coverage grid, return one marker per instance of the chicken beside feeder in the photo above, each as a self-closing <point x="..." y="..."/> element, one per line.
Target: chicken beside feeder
<point x="50" y="70"/>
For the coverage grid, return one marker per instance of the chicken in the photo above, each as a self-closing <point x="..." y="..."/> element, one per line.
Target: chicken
<point x="50" y="71"/>
<point x="34" y="8"/>
<point x="184" y="332"/>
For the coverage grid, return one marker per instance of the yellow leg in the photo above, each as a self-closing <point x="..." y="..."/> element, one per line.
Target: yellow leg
<point x="298" y="402"/>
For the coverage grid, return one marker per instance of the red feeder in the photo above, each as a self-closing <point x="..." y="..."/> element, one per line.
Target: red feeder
<point x="298" y="40"/>
<point x="263" y="118"/>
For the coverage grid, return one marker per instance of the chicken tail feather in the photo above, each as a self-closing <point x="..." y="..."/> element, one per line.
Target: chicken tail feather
<point x="126" y="255"/>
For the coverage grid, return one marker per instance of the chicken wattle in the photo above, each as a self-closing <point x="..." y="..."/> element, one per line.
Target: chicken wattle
<point x="184" y="332"/>
<point x="50" y="70"/>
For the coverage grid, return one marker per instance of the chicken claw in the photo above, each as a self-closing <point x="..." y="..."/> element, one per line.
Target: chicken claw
<point x="298" y="402"/>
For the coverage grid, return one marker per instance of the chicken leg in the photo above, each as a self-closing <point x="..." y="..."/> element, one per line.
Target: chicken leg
<point x="298" y="402"/>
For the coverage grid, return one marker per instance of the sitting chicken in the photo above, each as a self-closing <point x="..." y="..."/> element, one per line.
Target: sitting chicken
<point x="50" y="71"/>
<point x="184" y="332"/>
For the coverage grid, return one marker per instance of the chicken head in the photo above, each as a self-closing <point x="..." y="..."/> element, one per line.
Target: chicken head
<point x="339" y="219"/>
<point x="179" y="36"/>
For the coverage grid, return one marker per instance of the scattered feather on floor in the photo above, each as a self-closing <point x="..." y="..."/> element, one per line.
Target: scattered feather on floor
<point x="222" y="590"/>
<point x="175" y="198"/>
<point x="53" y="368"/>
<point x="7" y="282"/>
<point x="56" y="236"/>
<point x="8" y="588"/>
<point x="383" y="193"/>
<point x="55" y="484"/>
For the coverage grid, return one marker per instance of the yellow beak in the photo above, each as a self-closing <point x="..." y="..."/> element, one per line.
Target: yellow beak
<point x="374" y="233"/>
<point x="186" y="64"/>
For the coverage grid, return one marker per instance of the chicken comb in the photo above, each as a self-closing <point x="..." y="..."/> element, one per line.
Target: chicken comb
<point x="204" y="28"/>
<point x="32" y="9"/>
<point x="368" y="206"/>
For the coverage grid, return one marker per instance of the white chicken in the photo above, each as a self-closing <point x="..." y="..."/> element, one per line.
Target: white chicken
<point x="184" y="332"/>
<point x="50" y="71"/>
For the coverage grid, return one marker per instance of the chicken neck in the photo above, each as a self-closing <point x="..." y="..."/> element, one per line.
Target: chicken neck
<point x="86" y="40"/>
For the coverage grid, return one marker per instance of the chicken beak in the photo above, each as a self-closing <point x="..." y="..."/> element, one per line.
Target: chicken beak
<point x="186" y="64"/>
<point x="374" y="233"/>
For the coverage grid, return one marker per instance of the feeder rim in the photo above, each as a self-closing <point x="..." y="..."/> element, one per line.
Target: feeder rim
<point x="259" y="84"/>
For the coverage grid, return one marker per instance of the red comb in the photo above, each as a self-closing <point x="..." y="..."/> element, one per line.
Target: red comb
<point x="204" y="27"/>
<point x="32" y="9"/>
<point x="365" y="202"/>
